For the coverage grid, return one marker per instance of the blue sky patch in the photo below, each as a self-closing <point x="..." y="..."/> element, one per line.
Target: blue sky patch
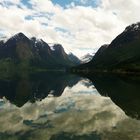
<point x="41" y="14"/>
<point x="26" y="2"/>
<point x="86" y="3"/>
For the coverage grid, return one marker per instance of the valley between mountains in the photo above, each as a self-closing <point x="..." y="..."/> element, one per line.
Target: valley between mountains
<point x="20" y="54"/>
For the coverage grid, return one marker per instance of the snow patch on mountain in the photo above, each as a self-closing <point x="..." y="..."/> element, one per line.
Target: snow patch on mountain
<point x="133" y="27"/>
<point x="86" y="58"/>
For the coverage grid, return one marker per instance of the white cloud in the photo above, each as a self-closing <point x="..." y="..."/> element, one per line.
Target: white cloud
<point x="86" y="28"/>
<point x="5" y="2"/>
<point x="76" y="105"/>
<point x="126" y="11"/>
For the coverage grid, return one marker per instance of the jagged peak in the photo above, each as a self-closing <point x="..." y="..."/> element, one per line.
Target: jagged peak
<point x="19" y="36"/>
<point x="33" y="38"/>
<point x="37" y="40"/>
<point x="133" y="27"/>
<point x="58" y="47"/>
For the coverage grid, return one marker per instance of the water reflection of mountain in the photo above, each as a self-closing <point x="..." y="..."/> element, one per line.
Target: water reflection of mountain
<point x="67" y="136"/>
<point x="71" y="117"/>
<point x="35" y="87"/>
<point x="124" y="91"/>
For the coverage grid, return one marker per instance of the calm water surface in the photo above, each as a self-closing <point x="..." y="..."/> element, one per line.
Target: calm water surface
<point x="57" y="106"/>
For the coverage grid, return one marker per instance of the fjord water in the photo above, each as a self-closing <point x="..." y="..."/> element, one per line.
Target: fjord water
<point x="59" y="106"/>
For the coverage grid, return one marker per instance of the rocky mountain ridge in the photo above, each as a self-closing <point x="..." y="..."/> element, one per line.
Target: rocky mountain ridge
<point x="19" y="50"/>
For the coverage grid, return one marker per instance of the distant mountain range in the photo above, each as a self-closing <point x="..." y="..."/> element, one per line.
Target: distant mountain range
<point x="19" y="53"/>
<point x="122" y="55"/>
<point x="74" y="59"/>
<point x="86" y="58"/>
<point x="23" y="53"/>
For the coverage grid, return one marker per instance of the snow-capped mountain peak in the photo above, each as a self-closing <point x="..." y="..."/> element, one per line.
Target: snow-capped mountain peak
<point x="86" y="58"/>
<point x="133" y="27"/>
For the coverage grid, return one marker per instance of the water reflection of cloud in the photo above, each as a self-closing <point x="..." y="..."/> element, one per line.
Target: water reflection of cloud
<point x="82" y="87"/>
<point x="73" y="114"/>
<point x="81" y="112"/>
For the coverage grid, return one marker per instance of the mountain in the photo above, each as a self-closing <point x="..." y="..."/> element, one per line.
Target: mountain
<point x="17" y="47"/>
<point x="21" y="53"/>
<point x="122" y="55"/>
<point x="36" y="86"/>
<point x="122" y="89"/>
<point x="74" y="58"/>
<point x="86" y="58"/>
<point x="50" y="56"/>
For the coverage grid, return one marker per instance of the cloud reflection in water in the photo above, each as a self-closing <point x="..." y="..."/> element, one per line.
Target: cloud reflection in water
<point x="71" y="116"/>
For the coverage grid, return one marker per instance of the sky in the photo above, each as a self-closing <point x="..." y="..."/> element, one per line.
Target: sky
<point x="81" y="26"/>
